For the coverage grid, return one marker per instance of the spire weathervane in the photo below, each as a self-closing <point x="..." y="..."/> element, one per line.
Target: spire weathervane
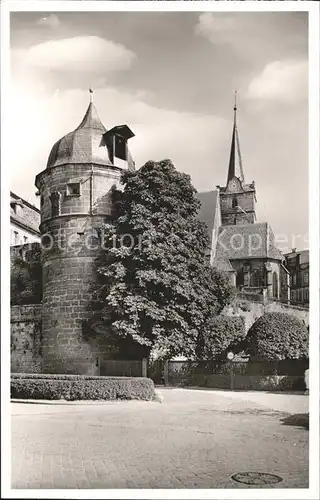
<point x="235" y="106"/>
<point x="91" y="94"/>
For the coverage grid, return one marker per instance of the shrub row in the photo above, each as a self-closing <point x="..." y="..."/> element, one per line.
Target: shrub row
<point x="243" y="382"/>
<point x="64" y="376"/>
<point x="80" y="387"/>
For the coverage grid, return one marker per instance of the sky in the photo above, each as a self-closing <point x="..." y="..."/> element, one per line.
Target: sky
<point x="171" y="77"/>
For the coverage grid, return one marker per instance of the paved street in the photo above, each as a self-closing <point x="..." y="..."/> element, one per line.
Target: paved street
<point x="194" y="439"/>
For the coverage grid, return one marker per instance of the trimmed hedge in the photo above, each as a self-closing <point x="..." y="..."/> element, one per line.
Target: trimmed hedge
<point x="286" y="375"/>
<point x="80" y="387"/>
<point x="277" y="335"/>
<point x="269" y="383"/>
<point x="243" y="382"/>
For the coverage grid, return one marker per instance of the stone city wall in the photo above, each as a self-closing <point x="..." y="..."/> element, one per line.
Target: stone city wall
<point x="26" y="339"/>
<point x="251" y="311"/>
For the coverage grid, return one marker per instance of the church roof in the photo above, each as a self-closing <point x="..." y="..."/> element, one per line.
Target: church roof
<point x="223" y="265"/>
<point x="84" y="145"/>
<point x="247" y="242"/>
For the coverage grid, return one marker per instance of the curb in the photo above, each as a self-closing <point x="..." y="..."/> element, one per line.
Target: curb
<point x="63" y="402"/>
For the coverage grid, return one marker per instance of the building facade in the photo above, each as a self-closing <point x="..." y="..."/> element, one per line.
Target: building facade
<point x="239" y="244"/>
<point x="297" y="263"/>
<point x="24" y="221"/>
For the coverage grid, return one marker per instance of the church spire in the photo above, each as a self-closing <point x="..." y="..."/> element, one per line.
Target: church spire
<point x="235" y="161"/>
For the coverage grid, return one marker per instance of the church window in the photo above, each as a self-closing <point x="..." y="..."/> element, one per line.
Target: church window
<point x="257" y="278"/>
<point x="246" y="281"/>
<point x="275" y="285"/>
<point x="239" y="279"/>
<point x="246" y="274"/>
<point x="73" y="189"/>
<point x="234" y="202"/>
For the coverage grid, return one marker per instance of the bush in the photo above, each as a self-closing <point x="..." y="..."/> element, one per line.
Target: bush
<point x="277" y="336"/>
<point x="80" y="387"/>
<point x="222" y="334"/>
<point x="26" y="278"/>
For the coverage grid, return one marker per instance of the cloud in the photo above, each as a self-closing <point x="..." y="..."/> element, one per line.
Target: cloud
<point x="186" y="138"/>
<point x="280" y="80"/>
<point x="80" y="54"/>
<point x="52" y="21"/>
<point x="217" y="28"/>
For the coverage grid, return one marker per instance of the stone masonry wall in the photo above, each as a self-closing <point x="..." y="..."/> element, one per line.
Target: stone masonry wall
<point x="251" y="311"/>
<point x="230" y="215"/>
<point x="66" y="304"/>
<point x="27" y="345"/>
<point x="95" y="187"/>
<point x="26" y="339"/>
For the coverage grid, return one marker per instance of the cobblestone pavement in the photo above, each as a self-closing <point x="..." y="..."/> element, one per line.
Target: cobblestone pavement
<point x="194" y="439"/>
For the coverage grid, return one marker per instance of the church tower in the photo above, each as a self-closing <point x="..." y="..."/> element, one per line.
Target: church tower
<point x="237" y="199"/>
<point x="75" y="197"/>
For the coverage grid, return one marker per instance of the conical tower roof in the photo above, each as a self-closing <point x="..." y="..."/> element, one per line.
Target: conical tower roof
<point x="85" y="144"/>
<point x="235" y="161"/>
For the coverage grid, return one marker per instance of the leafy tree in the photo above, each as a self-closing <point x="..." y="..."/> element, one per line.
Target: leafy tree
<point x="155" y="284"/>
<point x="220" y="335"/>
<point x="26" y="277"/>
<point x="277" y="336"/>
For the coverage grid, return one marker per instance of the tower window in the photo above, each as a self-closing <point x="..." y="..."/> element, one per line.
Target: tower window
<point x="234" y="202"/>
<point x="73" y="189"/>
<point x="55" y="203"/>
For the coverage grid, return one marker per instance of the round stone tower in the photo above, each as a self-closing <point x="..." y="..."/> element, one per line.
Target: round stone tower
<point x="75" y="193"/>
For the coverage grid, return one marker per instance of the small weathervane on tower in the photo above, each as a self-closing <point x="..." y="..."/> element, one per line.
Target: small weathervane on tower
<point x="91" y="94"/>
<point x="235" y="106"/>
